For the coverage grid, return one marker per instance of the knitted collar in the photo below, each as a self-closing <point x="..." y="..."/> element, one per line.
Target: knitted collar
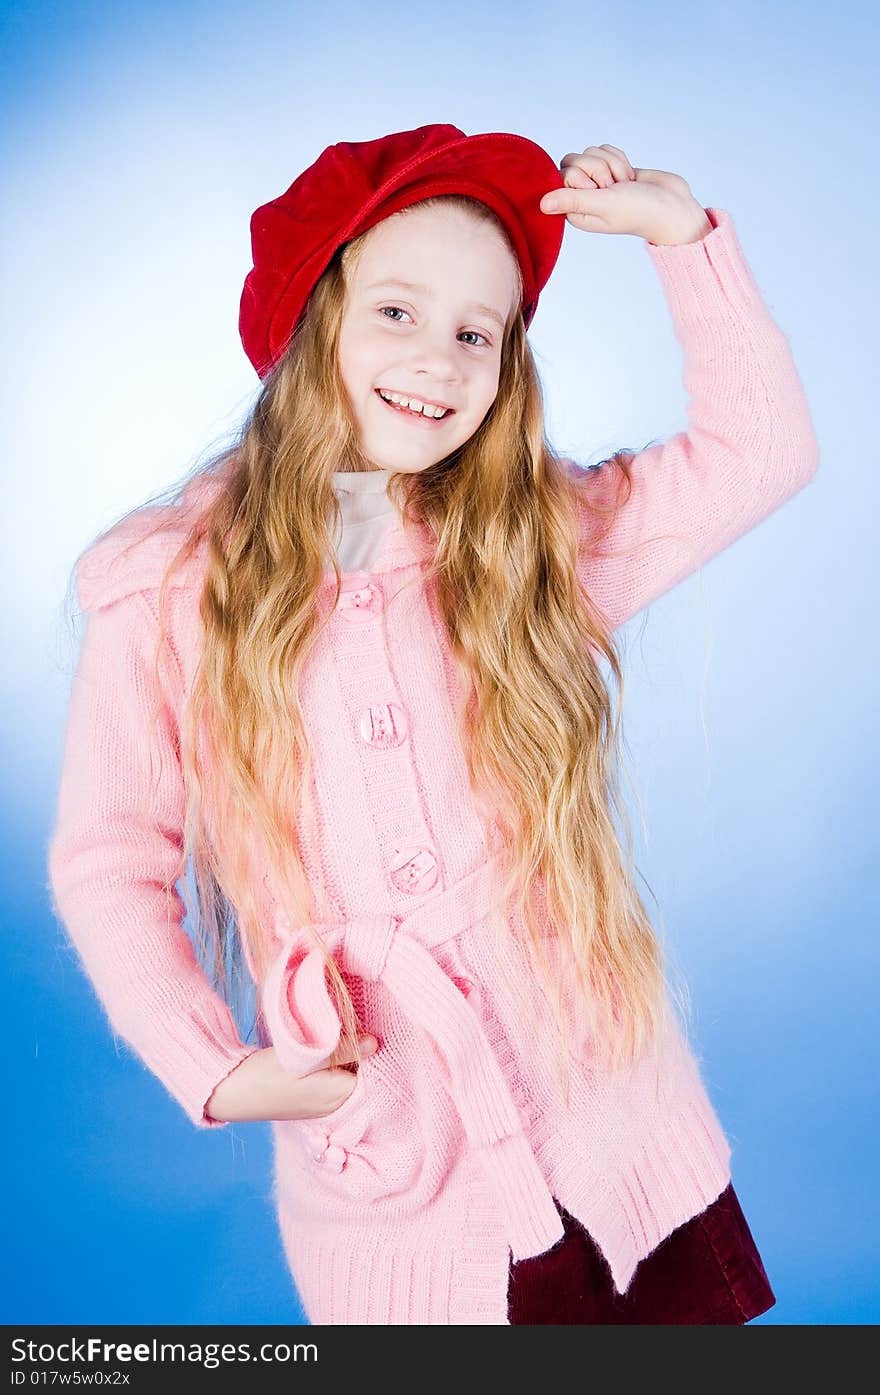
<point x="132" y="555"/>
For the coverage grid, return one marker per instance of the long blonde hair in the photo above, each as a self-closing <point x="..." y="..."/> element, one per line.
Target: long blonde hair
<point x="539" y="728"/>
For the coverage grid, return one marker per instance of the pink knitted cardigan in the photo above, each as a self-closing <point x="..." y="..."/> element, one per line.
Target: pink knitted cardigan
<point x="406" y="1204"/>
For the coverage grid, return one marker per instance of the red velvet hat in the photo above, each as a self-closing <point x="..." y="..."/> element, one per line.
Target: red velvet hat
<point x="355" y="184"/>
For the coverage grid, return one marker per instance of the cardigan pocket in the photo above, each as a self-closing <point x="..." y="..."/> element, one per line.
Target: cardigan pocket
<point x="371" y="1146"/>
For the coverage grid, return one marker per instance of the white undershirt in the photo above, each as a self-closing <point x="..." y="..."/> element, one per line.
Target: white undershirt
<point x="366" y="513"/>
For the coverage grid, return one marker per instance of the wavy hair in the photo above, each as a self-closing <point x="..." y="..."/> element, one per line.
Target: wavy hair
<point x="538" y="724"/>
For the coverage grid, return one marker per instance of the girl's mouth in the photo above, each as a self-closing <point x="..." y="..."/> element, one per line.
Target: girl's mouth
<point x="418" y="418"/>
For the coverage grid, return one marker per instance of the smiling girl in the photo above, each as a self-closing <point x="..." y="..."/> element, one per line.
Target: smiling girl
<point x="360" y="673"/>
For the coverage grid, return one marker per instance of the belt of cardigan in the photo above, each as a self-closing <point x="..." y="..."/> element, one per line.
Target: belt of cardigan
<point x="396" y="950"/>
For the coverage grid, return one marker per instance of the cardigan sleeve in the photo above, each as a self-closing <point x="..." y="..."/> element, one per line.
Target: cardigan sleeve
<point x="749" y="445"/>
<point x="113" y="860"/>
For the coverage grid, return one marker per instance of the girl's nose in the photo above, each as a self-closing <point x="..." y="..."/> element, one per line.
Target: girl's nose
<point x="434" y="356"/>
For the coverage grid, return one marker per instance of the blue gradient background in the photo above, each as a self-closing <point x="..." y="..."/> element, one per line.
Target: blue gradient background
<point x="136" y="142"/>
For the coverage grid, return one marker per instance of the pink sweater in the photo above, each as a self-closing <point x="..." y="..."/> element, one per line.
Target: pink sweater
<point x="406" y="1204"/>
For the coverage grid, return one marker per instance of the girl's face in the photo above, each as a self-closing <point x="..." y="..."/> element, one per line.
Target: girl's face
<point x="436" y="339"/>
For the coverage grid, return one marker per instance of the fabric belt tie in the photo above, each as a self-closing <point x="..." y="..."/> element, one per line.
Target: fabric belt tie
<point x="395" y="950"/>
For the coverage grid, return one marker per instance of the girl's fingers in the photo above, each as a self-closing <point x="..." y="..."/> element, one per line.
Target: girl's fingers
<point x="576" y="178"/>
<point x="588" y="168"/>
<point x="602" y="165"/>
<point x="340" y="1057"/>
<point x="622" y="161"/>
<point x="321" y="1092"/>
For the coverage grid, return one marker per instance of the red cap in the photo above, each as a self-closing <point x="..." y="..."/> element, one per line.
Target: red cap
<point x="355" y="184"/>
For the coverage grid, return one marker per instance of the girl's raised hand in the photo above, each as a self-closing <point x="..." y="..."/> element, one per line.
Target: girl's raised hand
<point x="260" y="1088"/>
<point x="604" y="193"/>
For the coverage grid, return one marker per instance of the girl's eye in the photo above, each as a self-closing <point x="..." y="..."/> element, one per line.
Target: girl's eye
<point x="399" y="308"/>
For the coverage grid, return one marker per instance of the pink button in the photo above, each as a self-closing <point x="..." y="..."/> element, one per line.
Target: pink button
<point x="328" y="1154"/>
<point x="361" y="602"/>
<point x="384" y="725"/>
<point x="414" y="870"/>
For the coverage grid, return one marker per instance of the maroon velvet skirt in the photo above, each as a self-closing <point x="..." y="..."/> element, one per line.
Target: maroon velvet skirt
<point x="706" y="1271"/>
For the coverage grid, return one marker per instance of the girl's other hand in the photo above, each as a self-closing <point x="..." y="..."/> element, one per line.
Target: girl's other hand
<point x="259" y="1087"/>
<point x="605" y="193"/>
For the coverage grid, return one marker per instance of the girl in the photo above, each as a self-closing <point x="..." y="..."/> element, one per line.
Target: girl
<point x="361" y="673"/>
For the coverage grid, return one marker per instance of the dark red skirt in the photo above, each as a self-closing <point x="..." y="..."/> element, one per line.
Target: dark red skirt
<point x="706" y="1271"/>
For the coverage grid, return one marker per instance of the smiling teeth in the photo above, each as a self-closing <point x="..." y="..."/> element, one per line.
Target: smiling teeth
<point x="413" y="404"/>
